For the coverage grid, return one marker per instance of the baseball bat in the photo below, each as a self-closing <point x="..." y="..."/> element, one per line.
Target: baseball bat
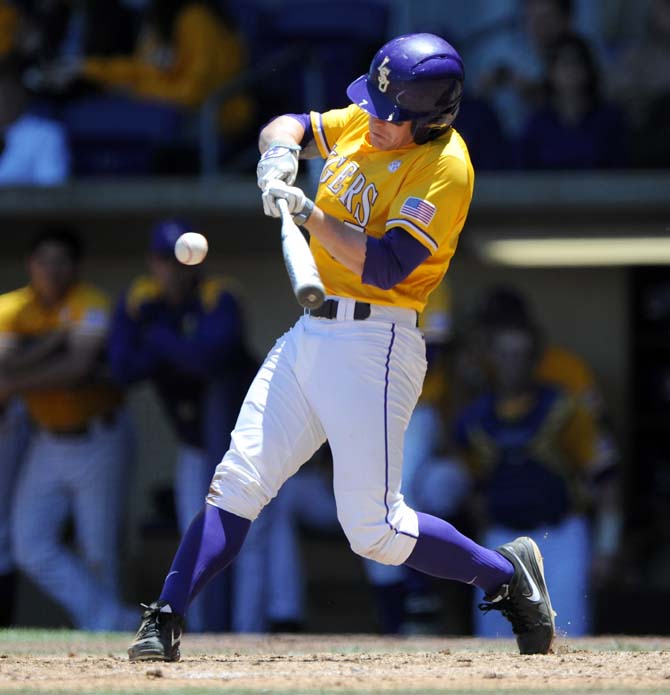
<point x="302" y="272"/>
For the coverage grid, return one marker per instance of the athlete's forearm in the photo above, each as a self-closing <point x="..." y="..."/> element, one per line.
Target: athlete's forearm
<point x="345" y="244"/>
<point x="62" y="372"/>
<point x="23" y="355"/>
<point x="283" y="129"/>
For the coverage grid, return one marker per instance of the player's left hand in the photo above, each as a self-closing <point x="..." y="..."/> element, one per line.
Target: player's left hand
<point x="294" y="197"/>
<point x="278" y="162"/>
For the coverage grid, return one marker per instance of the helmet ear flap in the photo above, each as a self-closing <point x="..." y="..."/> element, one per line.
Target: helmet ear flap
<point x="430" y="128"/>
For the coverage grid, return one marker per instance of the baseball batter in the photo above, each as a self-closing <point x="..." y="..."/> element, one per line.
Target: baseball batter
<point x="393" y="197"/>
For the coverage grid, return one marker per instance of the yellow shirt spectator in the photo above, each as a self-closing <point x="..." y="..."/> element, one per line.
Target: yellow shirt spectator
<point x="204" y="55"/>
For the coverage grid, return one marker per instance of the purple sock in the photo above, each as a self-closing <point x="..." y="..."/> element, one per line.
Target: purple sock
<point x="210" y="544"/>
<point x="444" y="552"/>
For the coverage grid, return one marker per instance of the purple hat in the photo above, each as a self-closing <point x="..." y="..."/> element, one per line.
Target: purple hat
<point x="165" y="235"/>
<point x="414" y="76"/>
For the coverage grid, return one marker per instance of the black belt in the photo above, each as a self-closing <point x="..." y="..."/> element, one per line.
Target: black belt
<point x="328" y="310"/>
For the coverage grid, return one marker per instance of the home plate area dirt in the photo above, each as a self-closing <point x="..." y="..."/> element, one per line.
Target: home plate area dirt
<point x="75" y="662"/>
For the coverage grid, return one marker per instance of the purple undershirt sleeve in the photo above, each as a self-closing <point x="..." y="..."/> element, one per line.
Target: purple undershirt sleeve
<point x="305" y="121"/>
<point x="390" y="259"/>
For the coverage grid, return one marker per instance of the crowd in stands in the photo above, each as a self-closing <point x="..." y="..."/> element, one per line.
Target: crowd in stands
<point x="116" y="85"/>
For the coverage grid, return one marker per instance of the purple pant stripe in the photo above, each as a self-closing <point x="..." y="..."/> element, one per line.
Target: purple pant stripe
<point x="386" y="437"/>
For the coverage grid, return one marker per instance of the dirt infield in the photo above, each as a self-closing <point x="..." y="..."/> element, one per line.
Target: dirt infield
<point x="75" y="662"/>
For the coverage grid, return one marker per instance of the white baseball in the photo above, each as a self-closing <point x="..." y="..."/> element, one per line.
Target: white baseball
<point x="191" y="248"/>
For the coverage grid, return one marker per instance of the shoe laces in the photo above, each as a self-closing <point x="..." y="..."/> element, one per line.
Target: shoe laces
<point x="149" y="624"/>
<point x="520" y="623"/>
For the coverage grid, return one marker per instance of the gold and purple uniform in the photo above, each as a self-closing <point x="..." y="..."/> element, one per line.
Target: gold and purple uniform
<point x="425" y="191"/>
<point x="75" y="466"/>
<point x="85" y="310"/>
<point x="355" y="382"/>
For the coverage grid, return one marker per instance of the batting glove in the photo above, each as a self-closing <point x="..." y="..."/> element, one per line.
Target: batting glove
<point x="278" y="162"/>
<point x="299" y="205"/>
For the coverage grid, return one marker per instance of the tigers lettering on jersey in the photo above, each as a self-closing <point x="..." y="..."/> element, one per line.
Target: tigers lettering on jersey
<point x="423" y="189"/>
<point x="358" y="196"/>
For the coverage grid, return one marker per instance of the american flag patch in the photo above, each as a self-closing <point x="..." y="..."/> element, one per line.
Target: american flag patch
<point x="418" y="209"/>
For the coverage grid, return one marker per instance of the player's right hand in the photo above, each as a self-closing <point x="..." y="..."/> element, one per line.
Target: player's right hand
<point x="294" y="197"/>
<point x="279" y="161"/>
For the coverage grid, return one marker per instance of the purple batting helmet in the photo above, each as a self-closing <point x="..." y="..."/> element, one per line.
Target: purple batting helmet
<point x="414" y="77"/>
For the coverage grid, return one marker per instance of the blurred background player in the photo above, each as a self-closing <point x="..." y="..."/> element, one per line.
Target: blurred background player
<point x="555" y="364"/>
<point x="184" y="332"/>
<point x="533" y="449"/>
<point x="52" y="336"/>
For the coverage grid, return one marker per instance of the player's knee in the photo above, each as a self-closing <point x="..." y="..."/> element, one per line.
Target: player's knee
<point x="376" y="542"/>
<point x="238" y="488"/>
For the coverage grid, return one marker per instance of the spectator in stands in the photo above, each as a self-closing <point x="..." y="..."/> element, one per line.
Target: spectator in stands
<point x="184" y="332"/>
<point x="512" y="65"/>
<point x="14" y="439"/>
<point x="141" y="121"/>
<point x="52" y="335"/>
<point x="531" y="446"/>
<point x="35" y="145"/>
<point x="185" y="51"/>
<point x="576" y="128"/>
<point x="640" y="82"/>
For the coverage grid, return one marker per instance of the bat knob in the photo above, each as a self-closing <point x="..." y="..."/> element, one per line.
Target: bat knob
<point x="311" y="297"/>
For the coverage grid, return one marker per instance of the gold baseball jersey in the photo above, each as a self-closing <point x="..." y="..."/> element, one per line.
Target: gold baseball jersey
<point x="424" y="189"/>
<point x="84" y="309"/>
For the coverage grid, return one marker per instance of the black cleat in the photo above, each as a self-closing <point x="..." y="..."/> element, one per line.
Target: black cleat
<point x="525" y="600"/>
<point x="159" y="635"/>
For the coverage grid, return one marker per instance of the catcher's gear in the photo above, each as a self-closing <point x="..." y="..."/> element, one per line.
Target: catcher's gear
<point x="414" y="77"/>
<point x="299" y="205"/>
<point x="159" y="635"/>
<point x="525" y="600"/>
<point x="279" y="161"/>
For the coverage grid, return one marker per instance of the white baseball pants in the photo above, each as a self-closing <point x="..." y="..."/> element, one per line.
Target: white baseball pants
<point x="82" y="475"/>
<point x="354" y="383"/>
